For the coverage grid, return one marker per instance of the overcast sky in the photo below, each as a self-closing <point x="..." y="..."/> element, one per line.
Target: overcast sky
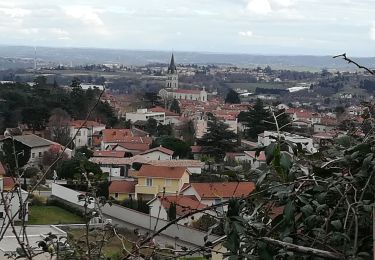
<point x="318" y="27"/>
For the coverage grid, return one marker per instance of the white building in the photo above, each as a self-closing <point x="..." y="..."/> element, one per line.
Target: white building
<point x="143" y="115"/>
<point x="269" y="136"/>
<point x="87" y="130"/>
<point x="158" y="153"/>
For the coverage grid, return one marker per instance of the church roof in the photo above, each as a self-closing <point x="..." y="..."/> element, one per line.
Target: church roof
<point x="172" y="67"/>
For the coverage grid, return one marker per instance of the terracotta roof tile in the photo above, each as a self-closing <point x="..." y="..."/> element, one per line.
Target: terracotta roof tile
<point x="161" y="172"/>
<point x="223" y="189"/>
<point x="78" y="123"/>
<point x="160" y="149"/>
<point x="160" y="109"/>
<point x="122" y="186"/>
<point x="184" y="204"/>
<point x="177" y="163"/>
<point x="115" y="154"/>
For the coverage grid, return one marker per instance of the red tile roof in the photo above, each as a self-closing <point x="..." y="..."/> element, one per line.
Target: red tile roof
<point x="160" y="149"/>
<point x="122" y="186"/>
<point x="223" y="189"/>
<point x="184" y="204"/>
<point x="124" y="136"/>
<point x="160" y="109"/>
<point x="115" y="154"/>
<point x="177" y="163"/>
<point x="161" y="172"/>
<point x="261" y="157"/>
<point x="135" y="146"/>
<point x="78" y="123"/>
<point x="187" y="91"/>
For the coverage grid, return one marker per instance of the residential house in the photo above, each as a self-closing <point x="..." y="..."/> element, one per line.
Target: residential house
<point x="161" y="205"/>
<point x="85" y="132"/>
<point x="196" y="151"/>
<point x="153" y="180"/>
<point x="158" y="153"/>
<point x="144" y="114"/>
<point x="124" y="140"/>
<point x="268" y="137"/>
<point x="217" y="192"/>
<point x="193" y="166"/>
<point x="35" y="147"/>
<point x="256" y="161"/>
<point x="170" y="117"/>
<point x="121" y="189"/>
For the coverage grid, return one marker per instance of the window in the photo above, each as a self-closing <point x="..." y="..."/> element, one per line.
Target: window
<point x="1" y="215"/>
<point x="33" y="155"/>
<point x="40" y="154"/>
<point x="116" y="195"/>
<point x="149" y="182"/>
<point x="168" y="182"/>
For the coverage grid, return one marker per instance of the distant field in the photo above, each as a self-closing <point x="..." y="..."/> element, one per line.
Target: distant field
<point x="48" y="215"/>
<point x="252" y="86"/>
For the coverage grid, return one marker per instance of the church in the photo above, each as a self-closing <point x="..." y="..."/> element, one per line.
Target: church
<point x="171" y="90"/>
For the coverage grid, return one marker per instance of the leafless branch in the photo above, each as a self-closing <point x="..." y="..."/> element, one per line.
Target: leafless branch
<point x="372" y="72"/>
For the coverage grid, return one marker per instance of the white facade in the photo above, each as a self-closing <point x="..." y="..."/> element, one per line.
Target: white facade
<point x="307" y="143"/>
<point x="156" y="155"/>
<point x="12" y="199"/>
<point x="84" y="136"/>
<point x="144" y="115"/>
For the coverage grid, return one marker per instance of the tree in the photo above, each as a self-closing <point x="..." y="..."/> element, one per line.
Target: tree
<point x="175" y="107"/>
<point x="218" y="139"/>
<point x="12" y="151"/>
<point x="232" y="97"/>
<point x="180" y="148"/>
<point x="77" y="167"/>
<point x="254" y="120"/>
<point x="151" y="126"/>
<point x="59" y="125"/>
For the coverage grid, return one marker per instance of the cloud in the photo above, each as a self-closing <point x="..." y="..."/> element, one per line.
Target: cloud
<point x="264" y="7"/>
<point x="15" y="12"/>
<point x="259" y="7"/>
<point x="372" y="32"/>
<point x="60" y="33"/>
<point x="85" y="14"/>
<point x="246" y="34"/>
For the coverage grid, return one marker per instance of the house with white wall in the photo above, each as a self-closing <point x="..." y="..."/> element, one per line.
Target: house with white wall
<point x="84" y="132"/>
<point x="144" y="114"/>
<point x="161" y="205"/>
<point x="268" y="137"/>
<point x="158" y="153"/>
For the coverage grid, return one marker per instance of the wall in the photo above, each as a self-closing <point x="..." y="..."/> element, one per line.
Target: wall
<point x="113" y="171"/>
<point x="68" y="195"/>
<point x="157" y="155"/>
<point x="14" y="205"/>
<point x="129" y="217"/>
<point x="37" y="159"/>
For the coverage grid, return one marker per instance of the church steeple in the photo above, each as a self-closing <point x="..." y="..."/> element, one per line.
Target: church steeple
<point x="172" y="76"/>
<point x="172" y="69"/>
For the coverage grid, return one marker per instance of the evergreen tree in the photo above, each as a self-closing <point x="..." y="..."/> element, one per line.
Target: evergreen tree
<point x="254" y="120"/>
<point x="175" y="107"/>
<point x="232" y="97"/>
<point x="218" y="139"/>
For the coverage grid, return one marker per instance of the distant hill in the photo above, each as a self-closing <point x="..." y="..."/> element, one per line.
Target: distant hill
<point x="78" y="56"/>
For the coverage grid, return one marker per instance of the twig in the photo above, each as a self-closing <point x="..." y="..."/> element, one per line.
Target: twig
<point x="302" y="249"/>
<point x="372" y="72"/>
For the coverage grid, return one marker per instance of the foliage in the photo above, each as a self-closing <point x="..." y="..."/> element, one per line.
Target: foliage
<point x="58" y="124"/>
<point x="257" y="119"/>
<point x="232" y="97"/>
<point x="218" y="139"/>
<point x="77" y="167"/>
<point x="175" y="107"/>
<point x="8" y="155"/>
<point x="180" y="148"/>
<point x="326" y="205"/>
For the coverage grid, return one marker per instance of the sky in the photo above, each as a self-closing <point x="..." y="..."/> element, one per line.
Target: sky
<point x="286" y="27"/>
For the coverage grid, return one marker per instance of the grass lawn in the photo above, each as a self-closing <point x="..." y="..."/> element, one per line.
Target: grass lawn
<point x="45" y="215"/>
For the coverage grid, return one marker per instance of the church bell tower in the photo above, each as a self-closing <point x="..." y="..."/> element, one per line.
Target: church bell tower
<point x="172" y="76"/>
